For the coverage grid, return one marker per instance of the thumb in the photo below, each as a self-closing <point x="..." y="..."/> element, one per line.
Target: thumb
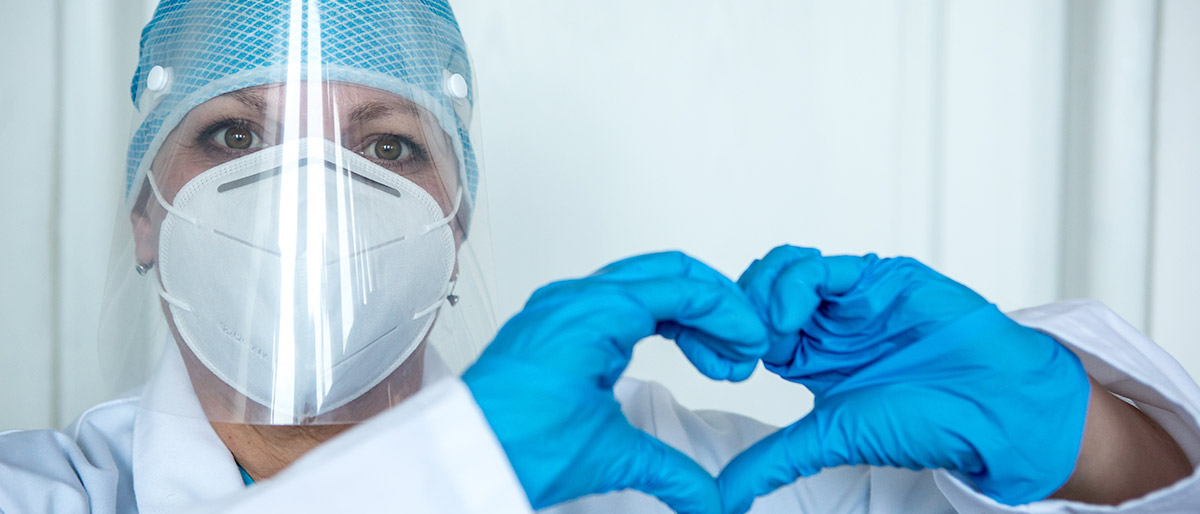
<point x="661" y="471"/>
<point x="802" y="449"/>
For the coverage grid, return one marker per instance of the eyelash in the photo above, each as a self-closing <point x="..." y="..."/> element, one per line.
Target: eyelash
<point x="205" y="141"/>
<point x="418" y="152"/>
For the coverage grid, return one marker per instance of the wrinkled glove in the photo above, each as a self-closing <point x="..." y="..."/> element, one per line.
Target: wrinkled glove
<point x="545" y="383"/>
<point x="909" y="369"/>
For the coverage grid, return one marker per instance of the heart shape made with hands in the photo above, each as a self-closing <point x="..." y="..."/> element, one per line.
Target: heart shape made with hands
<point x="909" y="369"/>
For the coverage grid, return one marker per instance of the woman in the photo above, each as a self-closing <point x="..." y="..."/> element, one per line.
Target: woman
<point x="307" y="253"/>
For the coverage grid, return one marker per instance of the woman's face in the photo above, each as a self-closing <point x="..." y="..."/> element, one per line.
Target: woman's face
<point x="388" y="130"/>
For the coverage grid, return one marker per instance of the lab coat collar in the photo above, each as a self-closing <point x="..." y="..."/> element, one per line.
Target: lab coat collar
<point x="178" y="459"/>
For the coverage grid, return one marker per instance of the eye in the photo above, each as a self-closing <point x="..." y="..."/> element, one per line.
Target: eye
<point x="389" y="148"/>
<point x="236" y="138"/>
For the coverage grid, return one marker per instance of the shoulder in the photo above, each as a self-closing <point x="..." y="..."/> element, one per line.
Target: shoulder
<point x="1056" y="313"/>
<point x="100" y="432"/>
<point x="106" y="429"/>
<point x="75" y="469"/>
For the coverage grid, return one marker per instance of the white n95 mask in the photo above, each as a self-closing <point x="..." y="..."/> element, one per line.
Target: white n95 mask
<point x="303" y="274"/>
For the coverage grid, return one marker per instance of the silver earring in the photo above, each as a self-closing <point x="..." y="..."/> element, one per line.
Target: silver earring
<point x="143" y="268"/>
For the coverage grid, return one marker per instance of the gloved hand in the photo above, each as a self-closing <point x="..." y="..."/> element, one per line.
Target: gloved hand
<point x="909" y="369"/>
<point x="545" y="383"/>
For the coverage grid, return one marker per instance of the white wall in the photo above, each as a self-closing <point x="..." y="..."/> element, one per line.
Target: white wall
<point x="28" y="221"/>
<point x="1174" y="298"/>
<point x="1034" y="150"/>
<point x="64" y="121"/>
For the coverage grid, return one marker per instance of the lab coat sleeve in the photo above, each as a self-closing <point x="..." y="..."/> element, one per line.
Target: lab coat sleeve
<point x="84" y="469"/>
<point x="435" y="453"/>
<point x="1130" y="365"/>
<point x="45" y="471"/>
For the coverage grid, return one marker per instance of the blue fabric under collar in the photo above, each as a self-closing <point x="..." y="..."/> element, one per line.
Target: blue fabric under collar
<point x="245" y="476"/>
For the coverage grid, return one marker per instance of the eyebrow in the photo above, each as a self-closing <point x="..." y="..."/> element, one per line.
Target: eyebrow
<point x="373" y="110"/>
<point x="251" y="100"/>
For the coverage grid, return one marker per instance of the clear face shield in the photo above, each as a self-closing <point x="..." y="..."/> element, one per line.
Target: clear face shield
<point x="305" y="225"/>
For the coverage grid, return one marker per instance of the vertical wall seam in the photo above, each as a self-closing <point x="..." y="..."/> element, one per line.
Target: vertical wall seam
<point x="1077" y="173"/>
<point x="1064" y="160"/>
<point x="55" y="223"/>
<point x="937" y="139"/>
<point x="1152" y="167"/>
<point x="896" y="227"/>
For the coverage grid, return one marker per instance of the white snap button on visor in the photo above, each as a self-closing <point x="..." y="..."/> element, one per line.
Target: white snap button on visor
<point x="157" y="79"/>
<point x="456" y="86"/>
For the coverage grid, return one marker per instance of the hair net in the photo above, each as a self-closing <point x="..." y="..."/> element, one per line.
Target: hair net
<point x="211" y="47"/>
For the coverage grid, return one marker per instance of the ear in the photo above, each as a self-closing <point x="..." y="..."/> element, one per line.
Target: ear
<point x="145" y="227"/>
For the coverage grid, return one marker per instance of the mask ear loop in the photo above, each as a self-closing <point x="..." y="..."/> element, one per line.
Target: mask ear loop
<point x="172" y="300"/>
<point x="163" y="202"/>
<point x="436" y="305"/>
<point x="453" y="212"/>
<point x="450" y="298"/>
<point x="162" y="293"/>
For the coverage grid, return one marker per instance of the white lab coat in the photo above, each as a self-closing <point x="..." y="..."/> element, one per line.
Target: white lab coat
<point x="435" y="452"/>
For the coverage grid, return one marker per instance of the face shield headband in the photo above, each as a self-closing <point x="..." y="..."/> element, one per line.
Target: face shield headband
<point x="195" y="50"/>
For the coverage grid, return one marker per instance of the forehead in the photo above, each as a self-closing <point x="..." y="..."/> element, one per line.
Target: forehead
<point x="352" y="102"/>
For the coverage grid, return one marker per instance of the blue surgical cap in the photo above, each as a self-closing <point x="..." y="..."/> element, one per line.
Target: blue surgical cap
<point x="211" y="47"/>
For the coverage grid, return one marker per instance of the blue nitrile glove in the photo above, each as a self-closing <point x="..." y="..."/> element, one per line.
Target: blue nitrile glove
<point x="545" y="383"/>
<point x="909" y="369"/>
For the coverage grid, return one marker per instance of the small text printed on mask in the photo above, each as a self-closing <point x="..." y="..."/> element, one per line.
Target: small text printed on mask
<point x="233" y="334"/>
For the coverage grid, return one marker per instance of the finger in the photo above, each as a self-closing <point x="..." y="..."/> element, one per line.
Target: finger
<point x="757" y="281"/>
<point x="662" y="264"/>
<point x="794" y="302"/>
<point x="661" y="471"/>
<point x="670" y="294"/>
<point x="670" y="305"/>
<point x="650" y="268"/>
<point x="698" y="348"/>
<point x="724" y="335"/>
<point x="675" y="264"/>
<point x="732" y="303"/>
<point x="709" y="303"/>
<point x="638" y="267"/>
<point x="702" y="314"/>
<point x="803" y="283"/>
<point x="789" y="283"/>
<point x="802" y="449"/>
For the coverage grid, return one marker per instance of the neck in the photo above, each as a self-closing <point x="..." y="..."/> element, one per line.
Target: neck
<point x="264" y="450"/>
